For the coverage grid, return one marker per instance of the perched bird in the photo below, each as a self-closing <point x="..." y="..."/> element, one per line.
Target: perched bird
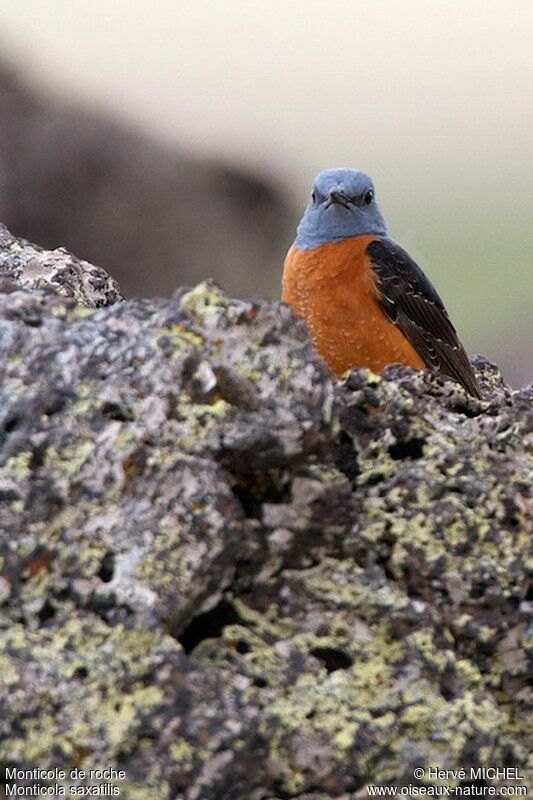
<point x="366" y="302"/>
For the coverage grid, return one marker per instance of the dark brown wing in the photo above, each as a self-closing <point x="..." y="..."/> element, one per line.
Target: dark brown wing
<point x="411" y="302"/>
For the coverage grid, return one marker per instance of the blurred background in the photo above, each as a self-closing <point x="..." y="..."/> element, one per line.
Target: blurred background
<point x="168" y="140"/>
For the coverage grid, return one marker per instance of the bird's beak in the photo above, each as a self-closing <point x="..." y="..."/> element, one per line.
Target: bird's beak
<point x="338" y="197"/>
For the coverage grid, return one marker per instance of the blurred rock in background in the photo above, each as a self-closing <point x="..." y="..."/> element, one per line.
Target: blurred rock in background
<point x="154" y="217"/>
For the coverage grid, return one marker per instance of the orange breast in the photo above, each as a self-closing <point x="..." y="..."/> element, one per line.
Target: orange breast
<point x="333" y="288"/>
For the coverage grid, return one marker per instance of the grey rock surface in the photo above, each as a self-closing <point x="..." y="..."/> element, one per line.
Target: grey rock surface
<point x="32" y="267"/>
<point x="235" y="578"/>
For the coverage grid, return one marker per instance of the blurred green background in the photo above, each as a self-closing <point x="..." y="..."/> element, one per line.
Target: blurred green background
<point x="434" y="100"/>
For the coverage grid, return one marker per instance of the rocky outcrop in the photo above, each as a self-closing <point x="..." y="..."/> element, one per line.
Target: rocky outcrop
<point x="231" y="576"/>
<point x="32" y="267"/>
<point x="153" y="215"/>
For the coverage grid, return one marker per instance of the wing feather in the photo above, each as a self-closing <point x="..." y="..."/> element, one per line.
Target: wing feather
<point x="412" y="303"/>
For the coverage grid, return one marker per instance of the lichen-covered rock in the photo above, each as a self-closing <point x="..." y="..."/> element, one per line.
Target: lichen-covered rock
<point x="234" y="578"/>
<point x="32" y="268"/>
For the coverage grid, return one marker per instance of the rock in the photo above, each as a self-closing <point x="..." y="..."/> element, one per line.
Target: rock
<point x="156" y="217"/>
<point x="32" y="267"/>
<point x="233" y="577"/>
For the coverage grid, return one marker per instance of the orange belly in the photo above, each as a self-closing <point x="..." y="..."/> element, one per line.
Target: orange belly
<point x="333" y="288"/>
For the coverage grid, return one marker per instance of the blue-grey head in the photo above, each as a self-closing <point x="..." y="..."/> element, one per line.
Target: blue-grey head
<point x="342" y="204"/>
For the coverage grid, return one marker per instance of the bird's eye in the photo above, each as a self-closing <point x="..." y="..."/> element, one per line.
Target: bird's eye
<point x="367" y="199"/>
<point x="313" y="196"/>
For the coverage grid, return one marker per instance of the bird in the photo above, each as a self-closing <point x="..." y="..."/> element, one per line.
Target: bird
<point x="365" y="300"/>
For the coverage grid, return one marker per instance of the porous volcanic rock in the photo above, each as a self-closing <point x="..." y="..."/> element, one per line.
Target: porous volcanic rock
<point x="235" y="578"/>
<point x="33" y="267"/>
